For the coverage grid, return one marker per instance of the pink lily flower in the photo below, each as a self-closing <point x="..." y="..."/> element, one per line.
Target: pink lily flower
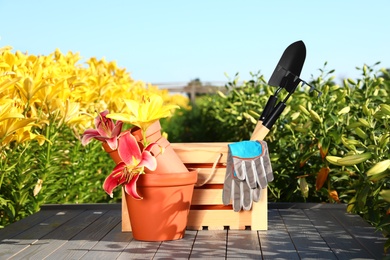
<point x="133" y="163"/>
<point x="105" y="131"/>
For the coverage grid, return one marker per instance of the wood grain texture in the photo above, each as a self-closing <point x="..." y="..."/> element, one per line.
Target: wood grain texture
<point x="296" y="231"/>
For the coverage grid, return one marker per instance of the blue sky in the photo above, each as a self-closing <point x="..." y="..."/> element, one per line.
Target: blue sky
<point x="178" y="41"/>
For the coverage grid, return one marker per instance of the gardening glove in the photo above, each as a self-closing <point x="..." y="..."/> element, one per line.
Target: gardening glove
<point x="248" y="171"/>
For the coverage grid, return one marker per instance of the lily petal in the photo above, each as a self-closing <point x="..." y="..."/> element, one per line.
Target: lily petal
<point x="131" y="188"/>
<point x="104" y="113"/>
<point x="148" y="160"/>
<point x="114" y="179"/>
<point x="117" y="128"/>
<point x="88" y="135"/>
<point x="105" y="131"/>
<point x="112" y="143"/>
<point x="119" y="116"/>
<point x="100" y="118"/>
<point x="128" y="149"/>
<point x="150" y="146"/>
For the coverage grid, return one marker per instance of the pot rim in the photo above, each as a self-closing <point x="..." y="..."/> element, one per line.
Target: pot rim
<point x="168" y="179"/>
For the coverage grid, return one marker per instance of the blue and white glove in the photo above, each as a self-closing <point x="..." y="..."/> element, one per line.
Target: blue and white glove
<point x="248" y="171"/>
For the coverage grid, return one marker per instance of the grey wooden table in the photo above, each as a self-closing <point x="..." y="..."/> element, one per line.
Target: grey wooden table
<point x="93" y="231"/>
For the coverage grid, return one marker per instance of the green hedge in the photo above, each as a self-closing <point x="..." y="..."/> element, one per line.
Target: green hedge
<point x="347" y="119"/>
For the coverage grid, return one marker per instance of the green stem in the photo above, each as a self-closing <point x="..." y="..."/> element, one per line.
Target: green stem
<point x="49" y="144"/>
<point x="273" y="193"/>
<point x="145" y="142"/>
<point x="2" y="166"/>
<point x="48" y="148"/>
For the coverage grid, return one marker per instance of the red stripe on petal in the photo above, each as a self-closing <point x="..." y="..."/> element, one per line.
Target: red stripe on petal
<point x="114" y="180"/>
<point x="112" y="143"/>
<point x="128" y="148"/>
<point x="148" y="160"/>
<point x="131" y="187"/>
<point x="88" y="135"/>
<point x="117" y="129"/>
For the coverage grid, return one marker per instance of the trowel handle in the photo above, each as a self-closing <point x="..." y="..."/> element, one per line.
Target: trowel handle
<point x="271" y="119"/>
<point x="260" y="132"/>
<point x="268" y="107"/>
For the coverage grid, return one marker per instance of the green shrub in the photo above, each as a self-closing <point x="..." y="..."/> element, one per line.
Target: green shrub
<point x="311" y="133"/>
<point x="60" y="171"/>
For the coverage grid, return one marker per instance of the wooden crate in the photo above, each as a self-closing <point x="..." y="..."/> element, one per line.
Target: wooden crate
<point x="207" y="210"/>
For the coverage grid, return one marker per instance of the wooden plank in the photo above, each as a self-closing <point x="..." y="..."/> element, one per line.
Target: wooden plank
<point x="207" y="197"/>
<point x="210" y="244"/>
<point x="218" y="219"/>
<point x="295" y="232"/>
<point x="126" y="223"/>
<point x="111" y="245"/>
<point x="30" y="237"/>
<point x="338" y="239"/>
<point x="84" y="206"/>
<point x="139" y="250"/>
<point x="243" y="244"/>
<point x="59" y="236"/>
<point x="363" y="233"/>
<point x="260" y="212"/>
<point x="305" y="237"/>
<point x="276" y="242"/>
<point x="218" y="176"/>
<point x="177" y="249"/>
<point x="22" y="225"/>
<point x="201" y="152"/>
<point x="88" y="237"/>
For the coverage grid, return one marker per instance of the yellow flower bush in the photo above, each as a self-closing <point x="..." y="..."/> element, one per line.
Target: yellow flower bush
<point x="57" y="89"/>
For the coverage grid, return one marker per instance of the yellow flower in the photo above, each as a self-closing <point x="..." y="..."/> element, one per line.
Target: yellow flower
<point x="144" y="112"/>
<point x="14" y="126"/>
<point x="29" y="88"/>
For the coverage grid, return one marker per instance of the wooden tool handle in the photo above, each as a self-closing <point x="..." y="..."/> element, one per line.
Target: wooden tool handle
<point x="260" y="132"/>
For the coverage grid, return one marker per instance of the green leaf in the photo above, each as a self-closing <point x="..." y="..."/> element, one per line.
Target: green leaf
<point x="385" y="195"/>
<point x="351" y="160"/>
<point x="345" y="110"/>
<point x="385" y="109"/>
<point x="379" y="168"/>
<point x="305" y="158"/>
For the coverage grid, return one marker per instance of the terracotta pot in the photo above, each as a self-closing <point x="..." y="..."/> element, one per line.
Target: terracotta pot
<point x="162" y="213"/>
<point x="168" y="161"/>
<point x="113" y="153"/>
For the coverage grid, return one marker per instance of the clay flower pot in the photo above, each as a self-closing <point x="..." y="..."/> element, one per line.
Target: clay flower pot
<point x="167" y="161"/>
<point x="113" y="153"/>
<point x="166" y="191"/>
<point x="162" y="213"/>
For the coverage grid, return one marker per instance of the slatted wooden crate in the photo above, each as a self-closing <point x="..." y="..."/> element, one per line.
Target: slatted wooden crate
<point x="207" y="210"/>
